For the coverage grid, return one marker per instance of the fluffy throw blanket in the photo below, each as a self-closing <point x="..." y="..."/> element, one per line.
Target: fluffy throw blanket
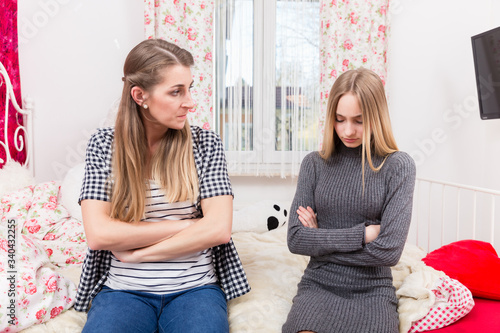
<point x="414" y="282"/>
<point x="273" y="273"/>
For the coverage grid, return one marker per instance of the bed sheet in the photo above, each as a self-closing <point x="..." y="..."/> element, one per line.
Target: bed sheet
<point x="484" y="318"/>
<point x="38" y="237"/>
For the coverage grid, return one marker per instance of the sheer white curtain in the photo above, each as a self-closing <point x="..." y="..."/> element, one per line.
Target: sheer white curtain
<point x="267" y="83"/>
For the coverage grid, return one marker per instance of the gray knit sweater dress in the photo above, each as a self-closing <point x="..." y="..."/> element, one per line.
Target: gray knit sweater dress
<point x="347" y="285"/>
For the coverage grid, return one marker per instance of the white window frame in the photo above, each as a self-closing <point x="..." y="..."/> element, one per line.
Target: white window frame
<point x="264" y="156"/>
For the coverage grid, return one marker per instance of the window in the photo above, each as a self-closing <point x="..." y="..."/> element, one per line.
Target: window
<point x="267" y="83"/>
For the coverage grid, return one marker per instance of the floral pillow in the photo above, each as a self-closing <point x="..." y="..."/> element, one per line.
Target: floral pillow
<point x="61" y="235"/>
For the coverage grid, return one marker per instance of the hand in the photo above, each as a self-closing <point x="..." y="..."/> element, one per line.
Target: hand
<point x="371" y="232"/>
<point x="307" y="217"/>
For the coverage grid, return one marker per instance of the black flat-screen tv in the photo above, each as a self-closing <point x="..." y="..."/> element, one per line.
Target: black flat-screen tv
<point x="486" y="52"/>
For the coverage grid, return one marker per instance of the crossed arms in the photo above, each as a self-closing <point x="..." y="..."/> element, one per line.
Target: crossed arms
<point x="154" y="241"/>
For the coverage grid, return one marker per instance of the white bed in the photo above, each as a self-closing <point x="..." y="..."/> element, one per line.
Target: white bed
<point x="51" y="245"/>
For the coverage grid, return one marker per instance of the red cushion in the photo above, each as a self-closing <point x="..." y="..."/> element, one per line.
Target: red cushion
<point x="482" y="318"/>
<point x="474" y="263"/>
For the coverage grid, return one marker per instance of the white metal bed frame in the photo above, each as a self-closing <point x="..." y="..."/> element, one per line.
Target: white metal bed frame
<point x="460" y="211"/>
<point x="20" y="142"/>
<point x="434" y="201"/>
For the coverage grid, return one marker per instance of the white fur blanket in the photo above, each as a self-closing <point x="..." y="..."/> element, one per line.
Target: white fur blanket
<point x="273" y="273"/>
<point x="414" y="282"/>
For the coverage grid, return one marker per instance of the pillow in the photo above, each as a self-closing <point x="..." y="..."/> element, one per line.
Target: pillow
<point x="261" y="216"/>
<point x="70" y="190"/>
<point x="474" y="263"/>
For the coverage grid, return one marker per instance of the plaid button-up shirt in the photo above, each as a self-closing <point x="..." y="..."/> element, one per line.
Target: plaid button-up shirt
<point x="213" y="181"/>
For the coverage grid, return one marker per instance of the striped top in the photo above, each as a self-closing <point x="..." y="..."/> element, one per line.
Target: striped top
<point x="213" y="181"/>
<point x="168" y="276"/>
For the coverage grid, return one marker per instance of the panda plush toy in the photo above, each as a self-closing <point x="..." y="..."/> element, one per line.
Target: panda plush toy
<point x="261" y="216"/>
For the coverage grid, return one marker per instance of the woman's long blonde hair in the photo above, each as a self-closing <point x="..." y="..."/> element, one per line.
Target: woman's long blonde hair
<point x="172" y="165"/>
<point x="377" y="131"/>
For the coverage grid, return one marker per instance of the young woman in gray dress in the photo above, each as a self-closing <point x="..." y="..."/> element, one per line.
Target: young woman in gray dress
<point x="353" y="208"/>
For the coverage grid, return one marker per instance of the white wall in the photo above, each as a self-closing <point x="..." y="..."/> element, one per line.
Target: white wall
<point x="432" y="91"/>
<point x="71" y="57"/>
<point x="72" y="53"/>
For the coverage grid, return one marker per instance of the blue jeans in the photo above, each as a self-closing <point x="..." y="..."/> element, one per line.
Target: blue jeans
<point x="201" y="309"/>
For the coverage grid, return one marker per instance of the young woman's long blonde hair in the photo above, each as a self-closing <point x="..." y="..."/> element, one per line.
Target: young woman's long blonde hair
<point x="172" y="165"/>
<point x="377" y="131"/>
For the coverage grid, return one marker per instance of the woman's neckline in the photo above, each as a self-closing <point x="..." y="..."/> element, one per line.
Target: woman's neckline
<point x="342" y="149"/>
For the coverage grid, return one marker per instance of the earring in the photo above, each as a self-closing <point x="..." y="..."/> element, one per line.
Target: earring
<point x="145" y="106"/>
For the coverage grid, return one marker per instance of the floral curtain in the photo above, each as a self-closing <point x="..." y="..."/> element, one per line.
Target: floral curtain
<point x="188" y="23"/>
<point x="9" y="58"/>
<point x="353" y="34"/>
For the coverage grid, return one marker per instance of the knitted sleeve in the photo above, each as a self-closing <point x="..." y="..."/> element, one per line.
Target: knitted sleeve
<point x="311" y="241"/>
<point x="386" y="249"/>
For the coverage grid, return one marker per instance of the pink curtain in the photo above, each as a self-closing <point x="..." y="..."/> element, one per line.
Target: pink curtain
<point x="9" y="58"/>
<point x="188" y="24"/>
<point x="353" y="34"/>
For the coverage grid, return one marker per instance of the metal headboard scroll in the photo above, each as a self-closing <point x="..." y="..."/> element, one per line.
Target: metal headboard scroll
<point x="20" y="142"/>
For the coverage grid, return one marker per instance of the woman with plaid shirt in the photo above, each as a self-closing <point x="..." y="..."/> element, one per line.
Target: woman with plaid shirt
<point x="157" y="209"/>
